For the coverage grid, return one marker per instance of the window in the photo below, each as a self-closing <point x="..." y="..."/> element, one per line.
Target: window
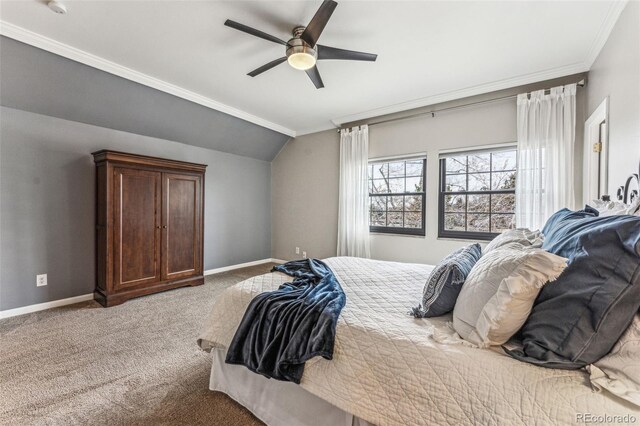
<point x="477" y="193"/>
<point x="396" y="196"/>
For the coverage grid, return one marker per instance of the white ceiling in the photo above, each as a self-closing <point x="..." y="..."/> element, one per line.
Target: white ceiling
<point x="428" y="51"/>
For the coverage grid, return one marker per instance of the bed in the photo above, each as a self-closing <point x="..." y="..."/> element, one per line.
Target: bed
<point x="392" y="369"/>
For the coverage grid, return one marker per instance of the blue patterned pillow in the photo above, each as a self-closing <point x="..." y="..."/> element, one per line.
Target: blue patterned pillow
<point x="445" y="282"/>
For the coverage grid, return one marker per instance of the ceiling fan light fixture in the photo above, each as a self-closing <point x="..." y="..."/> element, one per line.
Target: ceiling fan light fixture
<point x="302" y="61"/>
<point x="300" y="55"/>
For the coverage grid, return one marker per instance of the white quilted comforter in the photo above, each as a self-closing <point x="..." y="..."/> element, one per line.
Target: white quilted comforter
<point x="391" y="369"/>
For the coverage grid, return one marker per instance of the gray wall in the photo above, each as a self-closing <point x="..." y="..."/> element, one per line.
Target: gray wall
<point x="38" y="81"/>
<point x="304" y="187"/>
<point x="305" y="177"/>
<point x="616" y="74"/>
<point x="47" y="197"/>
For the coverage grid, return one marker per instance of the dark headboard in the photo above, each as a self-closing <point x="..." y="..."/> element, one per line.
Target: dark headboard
<point x="628" y="192"/>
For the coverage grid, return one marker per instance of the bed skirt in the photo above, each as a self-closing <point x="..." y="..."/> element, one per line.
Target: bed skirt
<point x="274" y="402"/>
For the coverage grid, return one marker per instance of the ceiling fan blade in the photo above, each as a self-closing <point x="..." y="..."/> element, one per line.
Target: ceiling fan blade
<point x="312" y="33"/>
<point x="314" y="75"/>
<point x="267" y="67"/>
<point x="325" y="52"/>
<point x="245" y="29"/>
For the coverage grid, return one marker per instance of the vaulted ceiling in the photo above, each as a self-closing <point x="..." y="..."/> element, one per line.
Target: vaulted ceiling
<point x="428" y="51"/>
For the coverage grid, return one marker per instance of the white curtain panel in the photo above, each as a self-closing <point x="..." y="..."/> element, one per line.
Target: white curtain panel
<point x="353" y="210"/>
<point x="546" y="138"/>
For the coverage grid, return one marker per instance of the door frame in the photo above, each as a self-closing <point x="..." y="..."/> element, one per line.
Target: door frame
<point x="595" y="169"/>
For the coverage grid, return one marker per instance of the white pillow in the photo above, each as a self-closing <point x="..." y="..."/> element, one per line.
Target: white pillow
<point x="612" y="208"/>
<point x="497" y="297"/>
<point x="619" y="371"/>
<point x="522" y="236"/>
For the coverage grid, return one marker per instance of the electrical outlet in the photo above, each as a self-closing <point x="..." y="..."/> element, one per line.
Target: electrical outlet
<point x="41" y="280"/>
<point x="297" y="250"/>
<point x="304" y="254"/>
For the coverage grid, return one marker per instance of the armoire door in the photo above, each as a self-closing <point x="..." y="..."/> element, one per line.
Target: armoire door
<point x="182" y="223"/>
<point x="137" y="207"/>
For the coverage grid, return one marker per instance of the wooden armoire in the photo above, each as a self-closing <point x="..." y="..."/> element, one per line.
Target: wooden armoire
<point x="149" y="225"/>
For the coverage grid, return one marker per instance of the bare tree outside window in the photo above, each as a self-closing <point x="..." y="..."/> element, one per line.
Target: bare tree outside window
<point x="396" y="196"/>
<point x="477" y="194"/>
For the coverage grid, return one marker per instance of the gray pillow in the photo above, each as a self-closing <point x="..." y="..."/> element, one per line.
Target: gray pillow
<point x="445" y="282"/>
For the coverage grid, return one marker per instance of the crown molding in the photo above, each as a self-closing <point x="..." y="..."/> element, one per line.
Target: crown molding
<point x="37" y="40"/>
<point x="312" y="130"/>
<point x="45" y="43"/>
<point x="464" y="93"/>
<point x="609" y="22"/>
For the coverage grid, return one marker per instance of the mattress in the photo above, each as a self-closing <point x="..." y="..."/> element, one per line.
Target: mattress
<point x="389" y="368"/>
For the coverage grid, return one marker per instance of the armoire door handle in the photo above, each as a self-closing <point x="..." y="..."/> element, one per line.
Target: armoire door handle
<point x="164" y="226"/>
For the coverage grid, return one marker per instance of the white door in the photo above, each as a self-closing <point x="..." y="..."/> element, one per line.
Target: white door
<point x="595" y="158"/>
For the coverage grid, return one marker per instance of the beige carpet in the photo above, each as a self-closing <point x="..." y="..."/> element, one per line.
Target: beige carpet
<point x="133" y="364"/>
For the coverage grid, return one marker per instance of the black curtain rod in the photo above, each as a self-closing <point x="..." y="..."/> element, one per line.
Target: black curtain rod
<point x="581" y="83"/>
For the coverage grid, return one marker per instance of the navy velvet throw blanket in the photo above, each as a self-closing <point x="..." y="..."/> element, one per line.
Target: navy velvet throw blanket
<point x="282" y="329"/>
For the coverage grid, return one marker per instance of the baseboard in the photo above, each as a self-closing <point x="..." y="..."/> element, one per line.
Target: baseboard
<point x="242" y="265"/>
<point x="83" y="298"/>
<point x="46" y="305"/>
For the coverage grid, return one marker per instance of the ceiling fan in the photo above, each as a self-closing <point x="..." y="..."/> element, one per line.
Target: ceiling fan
<point x="302" y="50"/>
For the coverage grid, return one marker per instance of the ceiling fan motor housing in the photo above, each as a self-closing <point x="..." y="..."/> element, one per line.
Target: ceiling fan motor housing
<point x="297" y="45"/>
<point x="299" y="54"/>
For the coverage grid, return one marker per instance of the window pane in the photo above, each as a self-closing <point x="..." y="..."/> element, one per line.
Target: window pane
<point x="456" y="183"/>
<point x="413" y="220"/>
<point x="396" y="185"/>
<point x="505" y="160"/>
<point x="395" y="204"/>
<point x="479" y="182"/>
<point x="380" y="170"/>
<point x="503" y="180"/>
<point x="456" y="164"/>
<point x="454" y="222"/>
<point x="394" y="219"/>
<point x="412" y="203"/>
<point x="479" y="163"/>
<point x="396" y="169"/>
<point x="379" y="186"/>
<point x="502" y="222"/>
<point x="414" y="168"/>
<point x="478" y="203"/>
<point x="478" y="222"/>
<point x="414" y="184"/>
<point x="503" y="203"/>
<point x="378" y="219"/>
<point x="479" y="191"/>
<point x="387" y="181"/>
<point x="378" y="204"/>
<point x="455" y="203"/>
